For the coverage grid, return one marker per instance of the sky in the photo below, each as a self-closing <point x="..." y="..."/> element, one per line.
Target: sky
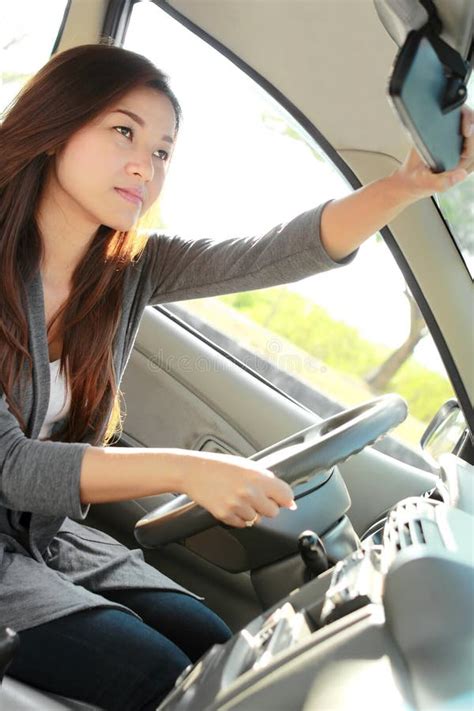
<point x="234" y="173"/>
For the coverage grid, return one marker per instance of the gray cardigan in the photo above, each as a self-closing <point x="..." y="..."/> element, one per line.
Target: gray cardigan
<point x="51" y="565"/>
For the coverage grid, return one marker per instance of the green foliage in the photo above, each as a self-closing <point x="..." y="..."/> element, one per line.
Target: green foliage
<point x="242" y="301"/>
<point x="339" y="346"/>
<point x="14" y="76"/>
<point x="424" y="390"/>
<point x="457" y="205"/>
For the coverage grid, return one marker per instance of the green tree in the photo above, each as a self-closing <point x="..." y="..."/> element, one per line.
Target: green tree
<point x="379" y="378"/>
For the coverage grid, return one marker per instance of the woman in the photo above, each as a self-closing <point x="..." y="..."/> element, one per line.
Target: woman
<point x="85" y="149"/>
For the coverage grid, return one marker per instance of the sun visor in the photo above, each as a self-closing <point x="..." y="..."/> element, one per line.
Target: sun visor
<point x="451" y="20"/>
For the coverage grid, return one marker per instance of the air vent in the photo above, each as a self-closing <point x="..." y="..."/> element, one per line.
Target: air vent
<point x="412" y="522"/>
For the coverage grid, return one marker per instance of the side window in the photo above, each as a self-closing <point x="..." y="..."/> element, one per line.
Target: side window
<point x="24" y="49"/>
<point x="457" y="206"/>
<point x="242" y="164"/>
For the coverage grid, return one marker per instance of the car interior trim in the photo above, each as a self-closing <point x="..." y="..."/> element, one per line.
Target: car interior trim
<point x="59" y="36"/>
<point x="117" y="18"/>
<point x="432" y="324"/>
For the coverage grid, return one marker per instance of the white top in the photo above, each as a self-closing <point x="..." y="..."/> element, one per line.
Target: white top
<point x="59" y="400"/>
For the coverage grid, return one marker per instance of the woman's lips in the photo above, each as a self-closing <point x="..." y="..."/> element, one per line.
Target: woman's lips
<point x="129" y="196"/>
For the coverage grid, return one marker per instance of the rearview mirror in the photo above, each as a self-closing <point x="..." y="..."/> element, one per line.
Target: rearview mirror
<point x="428" y="99"/>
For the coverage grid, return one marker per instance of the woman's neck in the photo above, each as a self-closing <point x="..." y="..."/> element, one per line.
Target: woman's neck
<point x="66" y="233"/>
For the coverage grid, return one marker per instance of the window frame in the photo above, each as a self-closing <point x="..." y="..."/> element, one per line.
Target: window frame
<point x="62" y="25"/>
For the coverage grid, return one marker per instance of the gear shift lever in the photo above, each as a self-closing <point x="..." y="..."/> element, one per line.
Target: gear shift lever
<point x="313" y="553"/>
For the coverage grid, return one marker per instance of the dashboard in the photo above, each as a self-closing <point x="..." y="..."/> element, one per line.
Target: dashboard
<point x="391" y="623"/>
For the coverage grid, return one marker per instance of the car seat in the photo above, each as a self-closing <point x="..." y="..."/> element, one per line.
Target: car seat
<point x="15" y="696"/>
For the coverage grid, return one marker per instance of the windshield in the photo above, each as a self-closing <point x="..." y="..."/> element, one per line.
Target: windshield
<point x="457" y="207"/>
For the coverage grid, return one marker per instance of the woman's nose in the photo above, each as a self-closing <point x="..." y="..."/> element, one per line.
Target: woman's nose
<point x="142" y="165"/>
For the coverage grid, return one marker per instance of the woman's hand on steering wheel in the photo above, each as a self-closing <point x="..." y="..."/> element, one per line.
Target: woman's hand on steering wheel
<point x="235" y="490"/>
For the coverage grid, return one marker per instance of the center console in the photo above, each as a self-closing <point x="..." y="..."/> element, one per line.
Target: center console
<point x="373" y="628"/>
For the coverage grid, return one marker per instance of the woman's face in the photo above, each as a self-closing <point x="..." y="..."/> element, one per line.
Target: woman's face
<point x="112" y="170"/>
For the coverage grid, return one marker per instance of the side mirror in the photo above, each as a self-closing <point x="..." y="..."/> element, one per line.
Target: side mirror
<point x="444" y="431"/>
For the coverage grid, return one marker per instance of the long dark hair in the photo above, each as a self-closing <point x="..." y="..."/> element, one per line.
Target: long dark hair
<point x="72" y="89"/>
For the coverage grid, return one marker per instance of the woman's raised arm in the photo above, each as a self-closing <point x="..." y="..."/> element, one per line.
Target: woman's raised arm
<point x="348" y="222"/>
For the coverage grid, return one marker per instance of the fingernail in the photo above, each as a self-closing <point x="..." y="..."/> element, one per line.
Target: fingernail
<point x="293" y="506"/>
<point x="470" y="130"/>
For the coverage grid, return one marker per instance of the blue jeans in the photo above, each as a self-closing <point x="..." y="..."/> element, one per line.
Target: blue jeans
<point x="110" y="658"/>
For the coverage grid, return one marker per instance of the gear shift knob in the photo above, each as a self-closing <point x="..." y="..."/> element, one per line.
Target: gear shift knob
<point x="313" y="553"/>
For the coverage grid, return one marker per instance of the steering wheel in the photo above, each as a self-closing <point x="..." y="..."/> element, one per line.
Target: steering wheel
<point x="294" y="459"/>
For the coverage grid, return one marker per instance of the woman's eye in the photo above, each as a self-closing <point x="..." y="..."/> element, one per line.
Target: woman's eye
<point x="124" y="131"/>
<point x="127" y="132"/>
<point x="161" y="154"/>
